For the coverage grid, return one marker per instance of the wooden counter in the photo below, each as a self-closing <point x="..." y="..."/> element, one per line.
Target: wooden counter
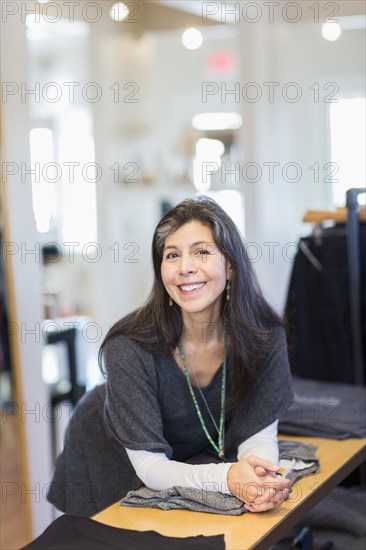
<point x="250" y="531"/>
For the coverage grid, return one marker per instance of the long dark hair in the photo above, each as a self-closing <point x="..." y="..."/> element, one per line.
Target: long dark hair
<point x="157" y="327"/>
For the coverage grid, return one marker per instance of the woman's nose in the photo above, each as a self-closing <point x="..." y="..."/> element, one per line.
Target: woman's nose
<point x="186" y="265"/>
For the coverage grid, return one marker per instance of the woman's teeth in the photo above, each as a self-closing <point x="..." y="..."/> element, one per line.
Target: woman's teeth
<point x="189" y="288"/>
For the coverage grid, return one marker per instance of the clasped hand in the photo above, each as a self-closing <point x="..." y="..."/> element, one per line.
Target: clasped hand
<point x="253" y="481"/>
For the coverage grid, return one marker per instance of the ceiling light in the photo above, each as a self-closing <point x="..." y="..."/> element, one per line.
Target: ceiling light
<point x="192" y="39"/>
<point x="40" y="29"/>
<point x="119" y="12"/>
<point x="217" y="121"/>
<point x="210" y="149"/>
<point x="331" y="31"/>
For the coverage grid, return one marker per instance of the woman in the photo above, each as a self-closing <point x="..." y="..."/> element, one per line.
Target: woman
<point x="196" y="377"/>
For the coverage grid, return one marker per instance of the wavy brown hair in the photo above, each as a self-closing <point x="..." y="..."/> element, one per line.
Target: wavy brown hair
<point x="250" y="320"/>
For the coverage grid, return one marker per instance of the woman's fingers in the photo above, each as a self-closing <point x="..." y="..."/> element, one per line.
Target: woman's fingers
<point x="278" y="484"/>
<point x="280" y="496"/>
<point x="268" y="504"/>
<point x="271" y="495"/>
<point x="247" y="485"/>
<point x="268" y="496"/>
<point x="266" y="464"/>
<point x="259" y="495"/>
<point x="260" y="507"/>
<point x="269" y="500"/>
<point x="260" y="471"/>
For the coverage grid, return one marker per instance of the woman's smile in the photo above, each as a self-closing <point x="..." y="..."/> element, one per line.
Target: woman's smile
<point x="189" y="289"/>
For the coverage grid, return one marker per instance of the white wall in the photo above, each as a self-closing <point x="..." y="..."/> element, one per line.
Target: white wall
<point x="149" y="133"/>
<point x="285" y="132"/>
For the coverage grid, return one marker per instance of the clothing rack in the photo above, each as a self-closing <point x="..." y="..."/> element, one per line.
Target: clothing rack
<point x="351" y="216"/>
<point x="354" y="264"/>
<point x="339" y="215"/>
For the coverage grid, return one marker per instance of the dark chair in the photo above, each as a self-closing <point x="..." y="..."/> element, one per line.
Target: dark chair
<point x="74" y="390"/>
<point x="93" y="470"/>
<point x="66" y="389"/>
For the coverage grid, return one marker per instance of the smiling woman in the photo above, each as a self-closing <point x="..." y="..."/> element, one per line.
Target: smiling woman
<point x="196" y="377"/>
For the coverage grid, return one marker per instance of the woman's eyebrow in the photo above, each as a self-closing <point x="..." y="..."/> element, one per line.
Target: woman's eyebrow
<point x="196" y="243"/>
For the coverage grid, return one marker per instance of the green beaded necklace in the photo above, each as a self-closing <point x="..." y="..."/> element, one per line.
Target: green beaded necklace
<point x="219" y="447"/>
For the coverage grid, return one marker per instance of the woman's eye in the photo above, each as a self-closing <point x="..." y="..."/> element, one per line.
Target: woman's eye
<point x="171" y="256"/>
<point x="203" y="251"/>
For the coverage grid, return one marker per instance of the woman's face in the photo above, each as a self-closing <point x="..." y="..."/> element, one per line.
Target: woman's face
<point x="193" y="269"/>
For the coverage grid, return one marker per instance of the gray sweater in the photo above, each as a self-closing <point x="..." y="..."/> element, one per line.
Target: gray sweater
<point x="148" y="407"/>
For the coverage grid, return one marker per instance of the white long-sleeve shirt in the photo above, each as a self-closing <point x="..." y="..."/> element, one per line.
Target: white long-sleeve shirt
<point x="157" y="472"/>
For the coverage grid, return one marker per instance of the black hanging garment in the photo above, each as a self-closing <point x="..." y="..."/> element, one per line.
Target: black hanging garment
<point x="318" y="307"/>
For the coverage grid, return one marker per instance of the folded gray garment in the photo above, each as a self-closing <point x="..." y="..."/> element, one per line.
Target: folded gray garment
<point x="296" y="449"/>
<point x="325" y="409"/>
<point x="185" y="498"/>
<point x="297" y="459"/>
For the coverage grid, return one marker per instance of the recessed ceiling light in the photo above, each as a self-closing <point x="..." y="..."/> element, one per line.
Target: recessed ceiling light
<point x="217" y="121"/>
<point x="192" y="39"/>
<point x="331" y="31"/>
<point x="119" y="11"/>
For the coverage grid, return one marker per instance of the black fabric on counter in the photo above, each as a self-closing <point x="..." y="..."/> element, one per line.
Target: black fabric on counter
<point x="72" y="532"/>
<point x="318" y="310"/>
<point x="325" y="409"/>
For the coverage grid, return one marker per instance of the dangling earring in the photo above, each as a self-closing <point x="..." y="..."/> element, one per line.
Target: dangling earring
<point x="170" y="301"/>
<point x="228" y="291"/>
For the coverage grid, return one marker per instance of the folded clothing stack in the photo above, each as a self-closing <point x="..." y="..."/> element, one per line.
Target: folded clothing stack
<point x="325" y="409"/>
